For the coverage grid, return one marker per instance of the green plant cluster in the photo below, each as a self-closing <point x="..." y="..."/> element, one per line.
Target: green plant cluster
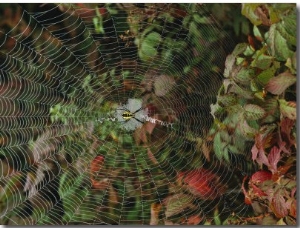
<point x="255" y="113"/>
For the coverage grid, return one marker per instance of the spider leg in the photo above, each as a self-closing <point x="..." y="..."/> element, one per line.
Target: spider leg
<point x="125" y="109"/>
<point x="138" y="120"/>
<point x="137" y="110"/>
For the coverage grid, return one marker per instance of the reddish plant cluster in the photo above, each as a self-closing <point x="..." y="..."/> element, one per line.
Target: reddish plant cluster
<point x="202" y="183"/>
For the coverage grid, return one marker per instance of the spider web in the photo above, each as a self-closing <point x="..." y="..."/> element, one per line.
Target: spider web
<point x="66" y="157"/>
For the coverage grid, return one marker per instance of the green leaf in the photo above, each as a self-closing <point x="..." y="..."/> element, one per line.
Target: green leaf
<point x="257" y="33"/>
<point x="246" y="130"/>
<point x="176" y="204"/>
<point x="233" y="149"/>
<point x="67" y="181"/>
<point x="229" y="63"/>
<point x="178" y="45"/>
<point x="148" y="48"/>
<point x="111" y="8"/>
<point x="235" y="109"/>
<point x="147" y="52"/>
<point x="272" y="108"/>
<point x="253" y="86"/>
<point x="220" y="149"/>
<point x="277" y="85"/>
<point x="10" y="188"/>
<point x="239" y="60"/>
<point x="186" y="21"/>
<point x="288" y="28"/>
<point x="281" y="222"/>
<point x="72" y="192"/>
<point x="227" y="100"/>
<point x="218" y="146"/>
<point x="291" y="39"/>
<point x="262" y="62"/>
<point x="267" y="74"/>
<point x="201" y="20"/>
<point x="98" y="23"/>
<point x="153" y="39"/>
<point x="216" y="109"/>
<point x="239" y="49"/>
<point x="87" y="211"/>
<point x="260" y="95"/>
<point x="291" y="63"/>
<point x="217" y="218"/>
<point x="193" y="30"/>
<point x="253" y="112"/>
<point x="248" y="10"/>
<point x="288" y="109"/>
<point x="274" y="13"/>
<point x="244" y="76"/>
<point x="249" y="51"/>
<point x="244" y="93"/>
<point x="278" y="44"/>
<point x="167" y="55"/>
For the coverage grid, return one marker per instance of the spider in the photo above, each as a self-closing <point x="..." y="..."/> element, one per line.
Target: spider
<point x="127" y="115"/>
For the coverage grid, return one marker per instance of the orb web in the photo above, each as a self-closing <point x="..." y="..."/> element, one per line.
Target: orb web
<point x="104" y="115"/>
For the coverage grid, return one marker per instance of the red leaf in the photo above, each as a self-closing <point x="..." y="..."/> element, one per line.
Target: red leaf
<point x="80" y="5"/>
<point x="254" y="152"/>
<point x="293" y="192"/>
<point x="293" y="209"/>
<point x="96" y="164"/>
<point x="257" y="191"/>
<point x="149" y="127"/>
<point x="286" y="126"/>
<point x="274" y="157"/>
<point x="255" y="42"/>
<point x="178" y="13"/>
<point x="203" y="183"/>
<point x="280" y="83"/>
<point x="279" y="205"/>
<point x="252" y="42"/>
<point x="288" y="109"/>
<point x="247" y="197"/>
<point x="281" y="170"/>
<point x="258" y="152"/>
<point x="261" y="176"/>
<point x="85" y="12"/>
<point x="152" y="109"/>
<point x="129" y="84"/>
<point x="102" y="10"/>
<point x="155" y="209"/>
<point x="282" y="147"/>
<point x="140" y="135"/>
<point x="151" y="156"/>
<point x="100" y="185"/>
<point x="194" y="220"/>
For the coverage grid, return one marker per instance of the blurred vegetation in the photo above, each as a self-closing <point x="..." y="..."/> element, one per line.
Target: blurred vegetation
<point x="230" y="89"/>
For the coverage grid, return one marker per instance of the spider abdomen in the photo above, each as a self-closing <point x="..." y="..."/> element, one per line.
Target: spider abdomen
<point x="127" y="115"/>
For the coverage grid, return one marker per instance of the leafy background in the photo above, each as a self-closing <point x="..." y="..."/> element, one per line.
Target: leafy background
<point x="224" y="74"/>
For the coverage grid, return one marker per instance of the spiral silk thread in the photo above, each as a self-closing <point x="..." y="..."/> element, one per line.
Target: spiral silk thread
<point x="153" y="120"/>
